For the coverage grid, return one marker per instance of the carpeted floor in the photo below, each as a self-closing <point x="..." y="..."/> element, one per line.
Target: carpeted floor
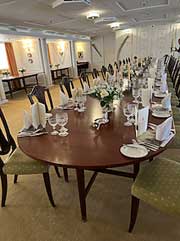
<point x="28" y="215"/>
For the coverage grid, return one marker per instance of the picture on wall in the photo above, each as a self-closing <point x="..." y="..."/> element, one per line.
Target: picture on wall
<point x="80" y="55"/>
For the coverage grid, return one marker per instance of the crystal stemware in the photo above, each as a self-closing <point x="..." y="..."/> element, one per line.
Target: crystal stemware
<point x="62" y="120"/>
<point x="136" y="94"/>
<point x="52" y="122"/>
<point x="127" y="110"/>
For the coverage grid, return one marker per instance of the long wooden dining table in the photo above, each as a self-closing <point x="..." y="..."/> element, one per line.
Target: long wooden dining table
<point x="86" y="148"/>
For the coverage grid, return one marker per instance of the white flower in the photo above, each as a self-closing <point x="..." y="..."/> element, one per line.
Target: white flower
<point x="104" y="93"/>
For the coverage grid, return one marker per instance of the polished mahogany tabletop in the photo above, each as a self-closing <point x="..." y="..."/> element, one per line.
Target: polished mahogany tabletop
<point x="85" y="147"/>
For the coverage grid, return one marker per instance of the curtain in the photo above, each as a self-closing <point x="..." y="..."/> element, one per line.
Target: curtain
<point x="12" y="64"/>
<point x="49" y="56"/>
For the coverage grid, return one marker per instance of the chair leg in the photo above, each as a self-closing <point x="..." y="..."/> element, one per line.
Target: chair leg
<point x="57" y="171"/>
<point x="4" y="189"/>
<point x="65" y="174"/>
<point x="48" y="187"/>
<point x="15" y="179"/>
<point x="134" y="212"/>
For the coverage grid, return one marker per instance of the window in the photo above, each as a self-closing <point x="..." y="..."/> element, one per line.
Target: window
<point x="3" y="57"/>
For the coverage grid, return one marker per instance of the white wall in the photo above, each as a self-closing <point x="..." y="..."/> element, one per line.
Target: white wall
<point x="21" y="57"/>
<point x="148" y="40"/>
<point x="85" y="48"/>
<point x="106" y="46"/>
<point x="56" y="58"/>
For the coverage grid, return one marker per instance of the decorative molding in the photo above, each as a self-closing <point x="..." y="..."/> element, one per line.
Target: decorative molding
<point x="96" y="49"/>
<point x="121" y="46"/>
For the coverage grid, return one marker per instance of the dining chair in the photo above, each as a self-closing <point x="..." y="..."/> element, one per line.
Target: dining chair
<point x="95" y="73"/>
<point x="104" y="71"/>
<point x="68" y="84"/>
<point x="18" y="163"/>
<point x="157" y="184"/>
<point x="84" y="78"/>
<point x="39" y="92"/>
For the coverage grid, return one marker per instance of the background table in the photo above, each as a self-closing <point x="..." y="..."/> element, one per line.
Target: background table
<point x="9" y="80"/>
<point x="86" y="148"/>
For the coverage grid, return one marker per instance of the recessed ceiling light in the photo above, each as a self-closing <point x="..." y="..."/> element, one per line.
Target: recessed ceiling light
<point x="114" y="25"/>
<point x="93" y="15"/>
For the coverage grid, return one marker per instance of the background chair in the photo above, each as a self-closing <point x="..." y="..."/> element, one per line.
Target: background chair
<point x="104" y="71"/>
<point x="39" y="92"/>
<point x="68" y="84"/>
<point x="84" y="78"/>
<point x="158" y="185"/>
<point x="18" y="163"/>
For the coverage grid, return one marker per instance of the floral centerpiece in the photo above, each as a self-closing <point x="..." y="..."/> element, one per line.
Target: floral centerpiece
<point x="106" y="95"/>
<point x="22" y="70"/>
<point x="57" y="66"/>
<point x="6" y="73"/>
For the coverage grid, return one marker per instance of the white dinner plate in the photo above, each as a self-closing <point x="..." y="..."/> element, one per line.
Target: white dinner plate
<point x="162" y="114"/>
<point x="160" y="95"/>
<point x="134" y="151"/>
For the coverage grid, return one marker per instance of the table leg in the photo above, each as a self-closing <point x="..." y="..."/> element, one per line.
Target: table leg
<point x="24" y="84"/>
<point x="37" y="81"/>
<point x="136" y="170"/>
<point x="82" y="193"/>
<point x="10" y="89"/>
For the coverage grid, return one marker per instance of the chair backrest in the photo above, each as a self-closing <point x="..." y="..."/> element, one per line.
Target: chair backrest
<point x="84" y="78"/>
<point x="95" y="73"/>
<point x="39" y="92"/>
<point x="7" y="143"/>
<point x="110" y="69"/>
<point x="67" y="82"/>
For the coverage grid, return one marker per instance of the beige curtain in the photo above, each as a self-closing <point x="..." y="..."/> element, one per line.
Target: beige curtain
<point x="12" y="63"/>
<point x="49" y="55"/>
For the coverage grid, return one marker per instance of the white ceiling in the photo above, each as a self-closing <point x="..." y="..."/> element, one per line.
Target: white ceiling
<point x="71" y="17"/>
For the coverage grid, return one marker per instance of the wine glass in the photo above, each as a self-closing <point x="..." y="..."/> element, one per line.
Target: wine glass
<point x="132" y="108"/>
<point x="127" y="110"/>
<point x="62" y="120"/>
<point x="135" y="94"/>
<point x="81" y="103"/>
<point x="52" y="122"/>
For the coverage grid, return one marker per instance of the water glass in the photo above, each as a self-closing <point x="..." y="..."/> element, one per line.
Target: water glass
<point x="127" y="110"/>
<point x="52" y="122"/>
<point x="136" y="94"/>
<point x="62" y="120"/>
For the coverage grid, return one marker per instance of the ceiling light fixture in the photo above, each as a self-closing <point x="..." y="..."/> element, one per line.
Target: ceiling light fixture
<point x="114" y="25"/>
<point x="93" y="15"/>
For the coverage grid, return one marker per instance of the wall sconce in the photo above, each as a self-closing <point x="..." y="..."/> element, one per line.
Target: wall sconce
<point x="61" y="47"/>
<point x="27" y="45"/>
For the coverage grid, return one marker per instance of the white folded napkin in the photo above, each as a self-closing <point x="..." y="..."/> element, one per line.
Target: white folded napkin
<point x="164" y="143"/>
<point x="151" y="83"/>
<point x="164" y="87"/>
<point x="86" y="87"/>
<point x="27" y="120"/>
<point x="152" y="72"/>
<point x="146" y="95"/>
<point x="163" y="130"/>
<point x="38" y="111"/>
<point x="166" y="102"/>
<point x="63" y="99"/>
<point x="142" y="120"/>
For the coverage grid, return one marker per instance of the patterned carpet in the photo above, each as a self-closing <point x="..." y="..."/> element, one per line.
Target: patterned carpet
<point x="29" y="216"/>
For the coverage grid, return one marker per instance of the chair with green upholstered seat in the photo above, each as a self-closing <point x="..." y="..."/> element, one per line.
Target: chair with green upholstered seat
<point x="18" y="163"/>
<point x="157" y="184"/>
